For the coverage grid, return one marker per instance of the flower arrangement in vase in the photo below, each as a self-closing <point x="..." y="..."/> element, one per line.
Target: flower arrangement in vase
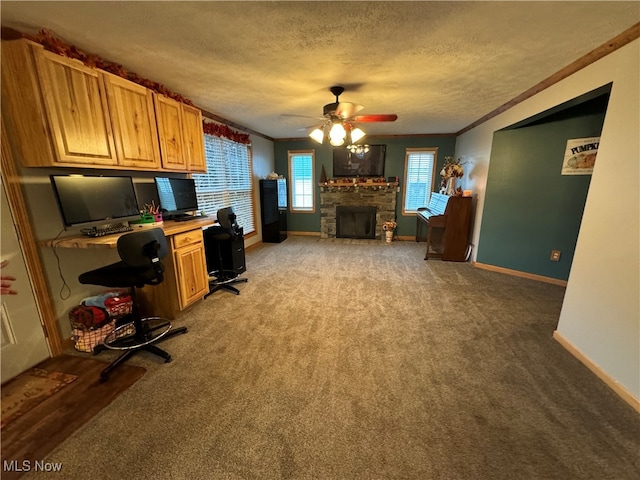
<point x="388" y="228"/>
<point x="451" y="171"/>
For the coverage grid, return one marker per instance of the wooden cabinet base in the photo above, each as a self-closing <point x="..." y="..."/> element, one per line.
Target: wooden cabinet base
<point x="185" y="272"/>
<point x="185" y="277"/>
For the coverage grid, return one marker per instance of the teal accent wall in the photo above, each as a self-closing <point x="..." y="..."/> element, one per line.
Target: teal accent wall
<point x="394" y="167"/>
<point x="531" y="209"/>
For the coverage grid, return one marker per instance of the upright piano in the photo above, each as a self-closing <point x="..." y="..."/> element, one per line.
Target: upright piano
<point x="448" y="222"/>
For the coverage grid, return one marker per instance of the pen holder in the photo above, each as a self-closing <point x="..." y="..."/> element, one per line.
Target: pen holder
<point x="158" y="217"/>
<point x="144" y="218"/>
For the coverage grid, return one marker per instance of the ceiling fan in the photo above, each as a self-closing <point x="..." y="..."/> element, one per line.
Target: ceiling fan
<point x="340" y="117"/>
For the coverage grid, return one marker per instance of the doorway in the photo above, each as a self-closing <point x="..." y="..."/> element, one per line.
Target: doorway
<point x="23" y="343"/>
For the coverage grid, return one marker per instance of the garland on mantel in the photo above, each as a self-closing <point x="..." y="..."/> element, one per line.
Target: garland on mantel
<point x="220" y="130"/>
<point x="45" y="38"/>
<point x="355" y="187"/>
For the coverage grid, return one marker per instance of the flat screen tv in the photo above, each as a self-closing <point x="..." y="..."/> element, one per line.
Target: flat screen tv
<point x="87" y="198"/>
<point x="177" y="196"/>
<point x="367" y="164"/>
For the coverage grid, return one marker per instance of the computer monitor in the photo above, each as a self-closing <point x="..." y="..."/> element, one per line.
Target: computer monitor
<point x="177" y="196"/>
<point x="92" y="198"/>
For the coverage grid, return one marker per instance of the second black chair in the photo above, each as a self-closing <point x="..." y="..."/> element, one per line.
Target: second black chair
<point x="141" y="253"/>
<point x="223" y="274"/>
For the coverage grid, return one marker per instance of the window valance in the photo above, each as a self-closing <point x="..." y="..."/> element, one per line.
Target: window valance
<point x="220" y="130"/>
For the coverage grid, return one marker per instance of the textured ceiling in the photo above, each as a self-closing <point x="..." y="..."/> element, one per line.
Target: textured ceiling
<point x="438" y="65"/>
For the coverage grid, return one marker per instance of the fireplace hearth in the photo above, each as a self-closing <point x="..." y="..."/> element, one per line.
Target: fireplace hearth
<point x="355" y="222"/>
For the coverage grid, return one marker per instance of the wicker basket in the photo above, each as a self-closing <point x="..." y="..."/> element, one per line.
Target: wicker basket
<point x="87" y="339"/>
<point x="90" y="324"/>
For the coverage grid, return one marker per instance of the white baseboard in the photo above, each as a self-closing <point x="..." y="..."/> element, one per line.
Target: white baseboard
<point x="622" y="392"/>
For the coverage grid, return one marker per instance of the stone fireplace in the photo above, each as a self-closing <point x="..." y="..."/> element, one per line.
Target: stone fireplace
<point x="380" y="200"/>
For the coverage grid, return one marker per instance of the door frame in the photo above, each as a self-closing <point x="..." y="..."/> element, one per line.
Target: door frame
<point x="22" y="221"/>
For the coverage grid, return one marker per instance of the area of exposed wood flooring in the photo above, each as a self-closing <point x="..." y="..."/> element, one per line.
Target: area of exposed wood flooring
<point x="32" y="436"/>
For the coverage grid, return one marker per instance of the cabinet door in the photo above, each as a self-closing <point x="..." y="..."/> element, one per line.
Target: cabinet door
<point x="169" y="119"/>
<point x="76" y="106"/>
<point x="134" y="123"/>
<point x="191" y="275"/>
<point x="193" y="139"/>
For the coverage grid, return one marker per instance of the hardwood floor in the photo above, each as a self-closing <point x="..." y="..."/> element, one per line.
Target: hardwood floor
<point x="32" y="436"/>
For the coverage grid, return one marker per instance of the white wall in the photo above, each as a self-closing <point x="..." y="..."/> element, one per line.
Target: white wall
<point x="601" y="310"/>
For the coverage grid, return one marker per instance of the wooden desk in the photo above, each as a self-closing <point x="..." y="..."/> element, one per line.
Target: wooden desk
<point x="170" y="228"/>
<point x="186" y="279"/>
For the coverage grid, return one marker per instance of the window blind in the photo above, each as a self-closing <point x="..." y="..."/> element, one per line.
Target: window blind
<point x="419" y="177"/>
<point x="227" y="182"/>
<point x="301" y="181"/>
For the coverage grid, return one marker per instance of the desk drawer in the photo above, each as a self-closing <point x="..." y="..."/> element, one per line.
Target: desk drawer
<point x="188" y="238"/>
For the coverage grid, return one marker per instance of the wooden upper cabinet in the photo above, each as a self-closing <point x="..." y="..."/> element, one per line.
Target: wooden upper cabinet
<point x="169" y="119"/>
<point x="76" y="107"/>
<point x="134" y="123"/>
<point x="59" y="112"/>
<point x="193" y="139"/>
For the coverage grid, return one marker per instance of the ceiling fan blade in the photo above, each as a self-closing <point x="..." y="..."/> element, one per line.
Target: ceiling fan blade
<point x="310" y="127"/>
<point x="346" y="109"/>
<point x="375" y="118"/>
<point x="300" y="116"/>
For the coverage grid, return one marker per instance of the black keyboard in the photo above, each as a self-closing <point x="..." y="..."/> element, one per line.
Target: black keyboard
<point x="186" y="218"/>
<point x="101" y="232"/>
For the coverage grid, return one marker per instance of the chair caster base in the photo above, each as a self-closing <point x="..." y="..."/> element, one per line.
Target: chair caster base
<point x="166" y="356"/>
<point x="226" y="284"/>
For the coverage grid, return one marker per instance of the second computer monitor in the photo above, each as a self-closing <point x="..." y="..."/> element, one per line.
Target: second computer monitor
<point x="177" y="196"/>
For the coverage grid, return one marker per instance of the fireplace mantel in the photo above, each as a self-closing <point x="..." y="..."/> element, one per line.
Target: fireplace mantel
<point x="349" y="185"/>
<point x="381" y="195"/>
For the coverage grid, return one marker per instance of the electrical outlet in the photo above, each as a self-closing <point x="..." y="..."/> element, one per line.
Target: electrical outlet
<point x="555" y="255"/>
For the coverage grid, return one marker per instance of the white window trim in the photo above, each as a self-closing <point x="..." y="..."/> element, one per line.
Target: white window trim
<point x="290" y="154"/>
<point x="408" y="152"/>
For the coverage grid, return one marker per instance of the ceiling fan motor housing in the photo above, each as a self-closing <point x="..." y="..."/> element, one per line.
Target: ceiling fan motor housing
<point x="330" y="109"/>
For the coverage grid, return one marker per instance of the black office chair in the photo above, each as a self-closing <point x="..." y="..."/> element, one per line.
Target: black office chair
<point x="227" y="231"/>
<point x="141" y="253"/>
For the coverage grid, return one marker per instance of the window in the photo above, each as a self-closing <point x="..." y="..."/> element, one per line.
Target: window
<point x="419" y="173"/>
<point x="301" y="184"/>
<point x="227" y="182"/>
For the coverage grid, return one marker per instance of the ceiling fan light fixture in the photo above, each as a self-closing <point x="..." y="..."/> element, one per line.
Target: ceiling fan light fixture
<point x="317" y="135"/>
<point x="337" y="134"/>
<point x="339" y="118"/>
<point x="357" y="134"/>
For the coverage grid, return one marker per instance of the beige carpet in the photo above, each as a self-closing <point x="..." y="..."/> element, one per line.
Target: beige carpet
<point x="359" y="360"/>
